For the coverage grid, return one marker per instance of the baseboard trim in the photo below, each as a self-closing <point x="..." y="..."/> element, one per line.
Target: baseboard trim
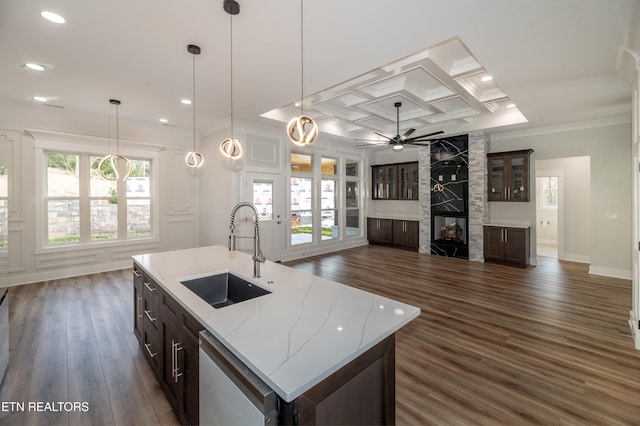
<point x="610" y="272"/>
<point x="74" y="271"/>
<point x="635" y="330"/>
<point x="314" y="251"/>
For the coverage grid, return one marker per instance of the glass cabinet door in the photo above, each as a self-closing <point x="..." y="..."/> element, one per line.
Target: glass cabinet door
<point x="408" y="181"/>
<point x="384" y="182"/>
<point x="497" y="184"/>
<point x="518" y="190"/>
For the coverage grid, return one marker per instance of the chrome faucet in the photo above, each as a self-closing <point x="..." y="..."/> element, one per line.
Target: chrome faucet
<point x="257" y="252"/>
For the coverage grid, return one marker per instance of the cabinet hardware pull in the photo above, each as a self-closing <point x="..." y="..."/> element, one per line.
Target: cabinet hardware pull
<point x="506" y="235"/>
<point x="151" y="354"/>
<point x="149" y="315"/>
<point x="175" y="347"/>
<point x="136" y="273"/>
<point x="146" y="284"/>
<point x="138" y="307"/>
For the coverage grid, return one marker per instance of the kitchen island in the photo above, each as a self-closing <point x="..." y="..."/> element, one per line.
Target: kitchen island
<point x="298" y="339"/>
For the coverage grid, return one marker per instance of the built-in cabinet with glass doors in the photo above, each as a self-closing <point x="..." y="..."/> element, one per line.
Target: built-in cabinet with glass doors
<point x="395" y="181"/>
<point x="508" y="174"/>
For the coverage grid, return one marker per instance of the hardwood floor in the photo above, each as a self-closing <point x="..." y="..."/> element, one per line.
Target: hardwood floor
<point x="496" y="345"/>
<point x="493" y="345"/>
<point x="72" y="341"/>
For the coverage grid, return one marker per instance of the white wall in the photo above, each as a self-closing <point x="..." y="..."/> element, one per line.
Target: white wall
<point x="176" y="194"/>
<point x="609" y="148"/>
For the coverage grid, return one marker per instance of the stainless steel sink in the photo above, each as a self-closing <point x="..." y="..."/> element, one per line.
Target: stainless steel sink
<point x="224" y="289"/>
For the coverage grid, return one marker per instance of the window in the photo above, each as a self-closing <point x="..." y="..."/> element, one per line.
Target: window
<point x="263" y="199"/>
<point x="4" y="208"/>
<point x="550" y="193"/>
<point x="325" y="199"/>
<point x="301" y="212"/>
<point x="352" y="198"/>
<point x="82" y="207"/>
<point x="329" y="225"/>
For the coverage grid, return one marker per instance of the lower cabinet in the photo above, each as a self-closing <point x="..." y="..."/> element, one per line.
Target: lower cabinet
<point x="395" y="232"/>
<point x="169" y="338"/>
<point x="361" y="392"/>
<point x="379" y="231"/>
<point x="406" y="233"/>
<point x="506" y="245"/>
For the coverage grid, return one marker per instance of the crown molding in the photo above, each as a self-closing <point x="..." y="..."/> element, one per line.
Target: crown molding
<point x="601" y="122"/>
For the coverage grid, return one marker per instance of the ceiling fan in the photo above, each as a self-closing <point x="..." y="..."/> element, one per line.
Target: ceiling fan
<point x="399" y="141"/>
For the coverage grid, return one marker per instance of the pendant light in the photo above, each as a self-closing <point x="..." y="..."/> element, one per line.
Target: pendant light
<point x="194" y="158"/>
<point x="231" y="147"/>
<point x="116" y="161"/>
<point x="302" y="130"/>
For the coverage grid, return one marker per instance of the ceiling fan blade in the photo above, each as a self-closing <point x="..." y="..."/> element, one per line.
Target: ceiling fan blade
<point x="439" y="132"/>
<point x="408" y="132"/>
<point x="380" y="143"/>
<point x="384" y="136"/>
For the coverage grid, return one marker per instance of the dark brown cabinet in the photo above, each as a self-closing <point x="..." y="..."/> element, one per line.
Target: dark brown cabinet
<point x="395" y="181"/>
<point x="384" y="181"/>
<point x="508" y="176"/>
<point x="405" y="234"/>
<point x="396" y="232"/>
<point x="169" y="337"/>
<point x="506" y="245"/>
<point x="379" y="231"/>
<point x="408" y="181"/>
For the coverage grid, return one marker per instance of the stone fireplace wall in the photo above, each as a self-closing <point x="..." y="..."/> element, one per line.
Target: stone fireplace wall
<point x="478" y="205"/>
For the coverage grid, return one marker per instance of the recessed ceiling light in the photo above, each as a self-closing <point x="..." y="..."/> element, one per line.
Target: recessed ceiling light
<point x="163" y="120"/>
<point x="53" y="17"/>
<point x="35" y="67"/>
<point x="487" y="78"/>
<point x="40" y="98"/>
<point x="186" y="101"/>
<point x="511" y="106"/>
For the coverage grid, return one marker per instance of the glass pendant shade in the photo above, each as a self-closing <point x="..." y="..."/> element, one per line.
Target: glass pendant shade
<point x="113" y="165"/>
<point x="193" y="158"/>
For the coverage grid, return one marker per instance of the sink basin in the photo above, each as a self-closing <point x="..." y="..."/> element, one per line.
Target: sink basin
<point x="224" y="289"/>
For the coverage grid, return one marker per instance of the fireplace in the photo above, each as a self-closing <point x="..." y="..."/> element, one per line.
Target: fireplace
<point x="449" y="197"/>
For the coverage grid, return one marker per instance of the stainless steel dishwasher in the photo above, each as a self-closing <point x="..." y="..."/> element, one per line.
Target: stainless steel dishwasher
<point x="230" y="393"/>
<point x="4" y="331"/>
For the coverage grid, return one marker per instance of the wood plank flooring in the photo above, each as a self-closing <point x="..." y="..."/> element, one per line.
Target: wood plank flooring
<point x="496" y="345"/>
<point x="72" y="341"/>
<point x="493" y="345"/>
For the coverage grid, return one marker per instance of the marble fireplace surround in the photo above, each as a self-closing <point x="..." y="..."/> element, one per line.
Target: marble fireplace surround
<point x="478" y="205"/>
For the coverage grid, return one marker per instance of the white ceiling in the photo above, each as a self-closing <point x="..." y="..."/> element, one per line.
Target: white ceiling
<point x="555" y="59"/>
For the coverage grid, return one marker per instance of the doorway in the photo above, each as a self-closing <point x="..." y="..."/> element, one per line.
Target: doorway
<point x="563" y="208"/>
<point x="266" y="190"/>
<point x="547" y="205"/>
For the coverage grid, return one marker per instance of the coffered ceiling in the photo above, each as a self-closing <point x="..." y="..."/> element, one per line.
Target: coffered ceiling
<point x="558" y="61"/>
<point x="442" y="88"/>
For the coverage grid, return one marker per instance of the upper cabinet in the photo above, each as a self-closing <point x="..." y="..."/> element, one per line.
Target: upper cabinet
<point x="395" y="181"/>
<point x="508" y="176"/>
<point x="384" y="181"/>
<point x="408" y="181"/>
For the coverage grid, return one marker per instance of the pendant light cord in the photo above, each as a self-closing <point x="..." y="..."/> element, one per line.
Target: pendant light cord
<point x="301" y="57"/>
<point x="117" y="136"/>
<point x="231" y="66"/>
<point x="194" y="101"/>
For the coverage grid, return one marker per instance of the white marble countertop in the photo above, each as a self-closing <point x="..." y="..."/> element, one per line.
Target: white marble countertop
<point x="304" y="331"/>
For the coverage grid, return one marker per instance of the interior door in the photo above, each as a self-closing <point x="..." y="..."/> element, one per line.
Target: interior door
<point x="266" y="190"/>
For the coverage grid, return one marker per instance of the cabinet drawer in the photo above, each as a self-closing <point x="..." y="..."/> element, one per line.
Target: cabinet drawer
<point x="150" y="315"/>
<point x="151" y="347"/>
